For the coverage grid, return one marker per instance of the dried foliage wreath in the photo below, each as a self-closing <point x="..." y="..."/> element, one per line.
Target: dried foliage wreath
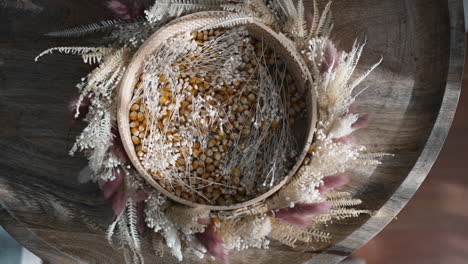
<point x="196" y="143"/>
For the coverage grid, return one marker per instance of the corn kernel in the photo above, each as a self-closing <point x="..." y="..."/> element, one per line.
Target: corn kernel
<point x="135" y="140"/>
<point x="133" y="115"/>
<point x="274" y="124"/>
<point x="141" y="117"/>
<point x="236" y="171"/>
<point x="135" y="107"/>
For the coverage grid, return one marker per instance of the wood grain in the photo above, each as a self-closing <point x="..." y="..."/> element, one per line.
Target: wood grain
<point x="432" y="228"/>
<point x="413" y="96"/>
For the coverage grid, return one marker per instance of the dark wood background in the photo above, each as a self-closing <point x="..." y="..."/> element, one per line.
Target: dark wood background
<point x="413" y="99"/>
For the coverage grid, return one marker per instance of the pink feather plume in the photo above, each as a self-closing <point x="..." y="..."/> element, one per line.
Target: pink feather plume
<point x="299" y="214"/>
<point x="140" y="213"/>
<point x="349" y="139"/>
<point x="125" y="9"/>
<point x="363" y="121"/>
<point x="352" y="109"/>
<point x="332" y="182"/>
<point x="119" y="200"/>
<point x="140" y="196"/>
<point x="118" y="148"/>
<point x="331" y="57"/>
<point x="309" y="18"/>
<point x="210" y="240"/>
<point x="204" y="221"/>
<point x="111" y="187"/>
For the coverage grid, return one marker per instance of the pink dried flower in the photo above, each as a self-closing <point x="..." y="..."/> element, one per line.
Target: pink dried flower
<point x="118" y="148"/>
<point x="209" y="239"/>
<point x="362" y="121"/>
<point x="140" y="197"/>
<point x="113" y="190"/>
<point x="300" y="213"/>
<point x="140" y="213"/>
<point x="331" y="57"/>
<point x="204" y="221"/>
<point x="125" y="9"/>
<point x="349" y="139"/>
<point x="352" y="109"/>
<point x="296" y="220"/>
<point x="309" y="18"/>
<point x="119" y="200"/>
<point x="332" y="182"/>
<point x="111" y="187"/>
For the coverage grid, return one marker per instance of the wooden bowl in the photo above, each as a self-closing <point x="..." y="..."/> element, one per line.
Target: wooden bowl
<point x="282" y="46"/>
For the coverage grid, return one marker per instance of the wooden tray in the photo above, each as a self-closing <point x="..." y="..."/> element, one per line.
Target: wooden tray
<point x="413" y="97"/>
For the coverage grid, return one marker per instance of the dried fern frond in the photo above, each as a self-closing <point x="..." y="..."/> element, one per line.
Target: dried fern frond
<point x="289" y="234"/>
<point x="89" y="54"/>
<point x="128" y="243"/>
<point x="338" y="203"/>
<point x="255" y="209"/>
<point x="132" y="223"/>
<point x="96" y="137"/>
<point x="176" y="8"/>
<point x="321" y="25"/>
<point x="158" y="221"/>
<point x="185" y="218"/>
<point x="264" y="13"/>
<point x="102" y="80"/>
<point x="235" y="19"/>
<point x="339" y="213"/>
<point x="124" y="228"/>
<point x="287" y="7"/>
<point x="300" y="20"/>
<point x="236" y="8"/>
<point x="249" y="232"/>
<point x="337" y="195"/>
<point x="101" y="26"/>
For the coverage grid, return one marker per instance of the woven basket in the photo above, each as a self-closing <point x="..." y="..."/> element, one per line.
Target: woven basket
<point x="282" y="46"/>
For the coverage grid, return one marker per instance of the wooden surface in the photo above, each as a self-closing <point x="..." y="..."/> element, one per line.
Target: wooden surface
<point x="413" y="97"/>
<point x="432" y="228"/>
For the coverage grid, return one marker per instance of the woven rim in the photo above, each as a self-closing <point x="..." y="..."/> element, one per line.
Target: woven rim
<point x="283" y="46"/>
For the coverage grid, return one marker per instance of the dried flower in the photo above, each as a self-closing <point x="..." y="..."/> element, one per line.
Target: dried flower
<point x="331" y="57"/>
<point x="118" y="148"/>
<point x="119" y="199"/>
<point x="332" y="182"/>
<point x="214" y="246"/>
<point x="349" y="139"/>
<point x="361" y="122"/>
<point x="126" y="9"/>
<point x="111" y="187"/>
<point x="300" y="213"/>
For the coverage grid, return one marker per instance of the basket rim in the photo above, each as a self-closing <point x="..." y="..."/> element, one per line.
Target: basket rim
<point x="129" y="79"/>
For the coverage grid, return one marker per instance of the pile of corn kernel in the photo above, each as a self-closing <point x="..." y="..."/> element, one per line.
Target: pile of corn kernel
<point x="203" y="176"/>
